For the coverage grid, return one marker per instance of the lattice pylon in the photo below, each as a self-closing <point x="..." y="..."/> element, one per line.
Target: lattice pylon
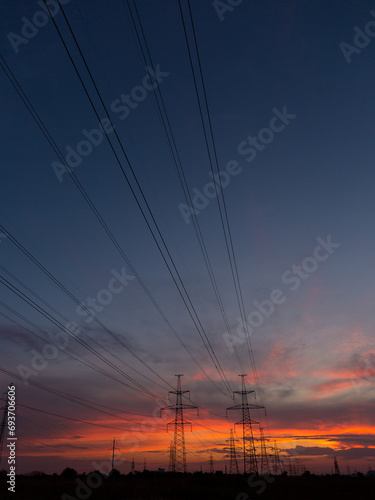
<point x="233" y="464"/>
<point x="264" y="465"/>
<point x="179" y="424"/>
<point x="172" y="458"/>
<point x="277" y="466"/>
<point x="250" y="464"/>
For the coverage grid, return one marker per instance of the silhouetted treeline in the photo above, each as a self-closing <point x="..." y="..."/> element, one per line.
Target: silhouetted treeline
<point x="197" y="486"/>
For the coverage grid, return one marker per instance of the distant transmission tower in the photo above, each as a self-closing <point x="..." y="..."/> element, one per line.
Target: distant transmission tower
<point x="249" y="455"/>
<point x="264" y="465"/>
<point x="211" y="464"/>
<point x="292" y="463"/>
<point x="277" y="467"/>
<point x="233" y="464"/>
<point x="172" y="458"/>
<point x="133" y="466"/>
<point x="337" y="470"/>
<point x="179" y="463"/>
<point x="300" y="467"/>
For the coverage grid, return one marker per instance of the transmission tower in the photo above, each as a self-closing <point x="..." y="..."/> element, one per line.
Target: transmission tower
<point x="264" y="465"/>
<point x="300" y="467"/>
<point x="133" y="466"/>
<point x="337" y="470"/>
<point x="172" y="458"/>
<point x="233" y="464"/>
<point x="250" y="464"/>
<point x="292" y="463"/>
<point x="179" y="462"/>
<point x="211" y="464"/>
<point x="277" y="467"/>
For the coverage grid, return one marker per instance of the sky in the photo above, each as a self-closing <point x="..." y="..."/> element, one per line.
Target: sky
<point x="289" y="90"/>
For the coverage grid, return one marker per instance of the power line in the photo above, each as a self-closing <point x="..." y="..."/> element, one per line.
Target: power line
<point x="44" y="130"/>
<point x="180" y="169"/>
<point x="66" y="319"/>
<point x="93" y="208"/>
<point x="182" y="291"/>
<point x="39" y="309"/>
<point x="68" y="349"/>
<point x="214" y="159"/>
<point x="75" y="354"/>
<point x="86" y="422"/>
<point x="77" y="400"/>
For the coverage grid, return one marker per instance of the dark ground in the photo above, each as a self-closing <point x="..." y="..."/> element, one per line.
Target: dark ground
<point x="156" y="486"/>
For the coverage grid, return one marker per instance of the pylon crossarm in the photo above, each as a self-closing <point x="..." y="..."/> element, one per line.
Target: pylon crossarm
<point x="241" y="422"/>
<point x="237" y="407"/>
<point x="164" y="409"/>
<point x="168" y="424"/>
<point x="243" y="392"/>
<point x="180" y="423"/>
<point x="255" y="407"/>
<point x="188" y="407"/>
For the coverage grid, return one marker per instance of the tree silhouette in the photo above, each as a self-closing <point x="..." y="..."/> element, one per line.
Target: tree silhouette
<point x="69" y="473"/>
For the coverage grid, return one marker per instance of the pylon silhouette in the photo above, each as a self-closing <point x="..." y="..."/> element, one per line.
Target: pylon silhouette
<point x="277" y="466"/>
<point x="264" y="465"/>
<point x="233" y="464"/>
<point x="172" y="458"/>
<point x="250" y="464"/>
<point x="179" y="463"/>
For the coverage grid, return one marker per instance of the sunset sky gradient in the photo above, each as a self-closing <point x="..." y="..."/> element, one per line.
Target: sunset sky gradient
<point x="312" y="182"/>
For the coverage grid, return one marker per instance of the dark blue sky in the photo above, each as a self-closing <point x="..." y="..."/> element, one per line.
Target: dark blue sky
<point x="311" y="179"/>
